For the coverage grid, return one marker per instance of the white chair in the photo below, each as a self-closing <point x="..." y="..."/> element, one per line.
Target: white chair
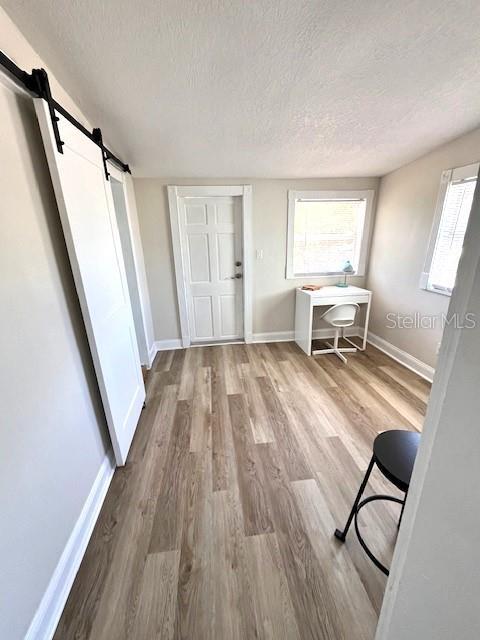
<point x="339" y="316"/>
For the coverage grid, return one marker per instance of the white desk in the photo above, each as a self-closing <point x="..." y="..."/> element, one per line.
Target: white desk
<point x="325" y="297"/>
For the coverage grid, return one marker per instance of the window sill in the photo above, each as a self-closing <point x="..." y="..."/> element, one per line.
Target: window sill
<point x="424" y="286"/>
<point x="439" y="291"/>
<point x="317" y="276"/>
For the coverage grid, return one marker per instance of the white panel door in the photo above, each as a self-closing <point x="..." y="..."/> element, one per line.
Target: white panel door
<point x="212" y="255"/>
<point x="89" y="224"/>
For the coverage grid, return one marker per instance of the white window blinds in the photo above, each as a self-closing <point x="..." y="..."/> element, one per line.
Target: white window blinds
<point x="451" y="231"/>
<point x="326" y="233"/>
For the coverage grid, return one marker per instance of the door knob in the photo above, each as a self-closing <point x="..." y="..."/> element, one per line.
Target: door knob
<point x="238" y="263"/>
<point x="238" y="276"/>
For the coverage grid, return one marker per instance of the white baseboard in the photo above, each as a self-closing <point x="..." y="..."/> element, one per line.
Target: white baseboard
<point x="163" y="345"/>
<point x="408" y="361"/>
<point x="167" y="345"/>
<point x="273" y="336"/>
<point x="288" y="336"/>
<point x="152" y="352"/>
<point x="48" y="614"/>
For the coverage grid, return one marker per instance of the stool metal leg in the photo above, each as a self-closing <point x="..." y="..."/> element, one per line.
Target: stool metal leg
<point x="401" y="512"/>
<point x="341" y="535"/>
<point x="365" y="547"/>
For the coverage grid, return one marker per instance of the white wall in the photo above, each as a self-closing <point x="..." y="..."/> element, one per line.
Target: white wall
<point x="273" y="294"/>
<point x="405" y="211"/>
<point x="434" y="586"/>
<point x="52" y="435"/>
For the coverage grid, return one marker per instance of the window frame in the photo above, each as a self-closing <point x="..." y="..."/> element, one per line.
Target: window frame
<point x="358" y="194"/>
<point x="448" y="176"/>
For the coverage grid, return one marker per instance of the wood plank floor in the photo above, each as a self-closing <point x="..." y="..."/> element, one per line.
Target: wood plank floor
<point x="221" y="524"/>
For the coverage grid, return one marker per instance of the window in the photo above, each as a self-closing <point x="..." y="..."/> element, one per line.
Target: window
<point x="454" y="204"/>
<point x="325" y="229"/>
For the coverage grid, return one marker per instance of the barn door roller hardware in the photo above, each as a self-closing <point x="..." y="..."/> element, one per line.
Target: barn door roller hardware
<point x="41" y="86"/>
<point x="97" y="135"/>
<point x="37" y="83"/>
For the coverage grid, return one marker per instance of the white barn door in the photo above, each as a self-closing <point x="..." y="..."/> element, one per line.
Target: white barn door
<point x="211" y="230"/>
<point x="88" y="219"/>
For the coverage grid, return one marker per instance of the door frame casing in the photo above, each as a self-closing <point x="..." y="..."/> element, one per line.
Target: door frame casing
<point x="175" y="193"/>
<point x="147" y="336"/>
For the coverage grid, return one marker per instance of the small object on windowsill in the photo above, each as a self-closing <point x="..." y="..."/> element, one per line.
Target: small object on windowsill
<point x="347" y="268"/>
<point x="311" y="287"/>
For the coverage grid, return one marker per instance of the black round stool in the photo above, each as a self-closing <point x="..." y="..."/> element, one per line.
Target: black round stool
<point x="394" y="453"/>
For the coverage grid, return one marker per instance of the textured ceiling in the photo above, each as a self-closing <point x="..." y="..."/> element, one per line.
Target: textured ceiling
<point x="264" y="88"/>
